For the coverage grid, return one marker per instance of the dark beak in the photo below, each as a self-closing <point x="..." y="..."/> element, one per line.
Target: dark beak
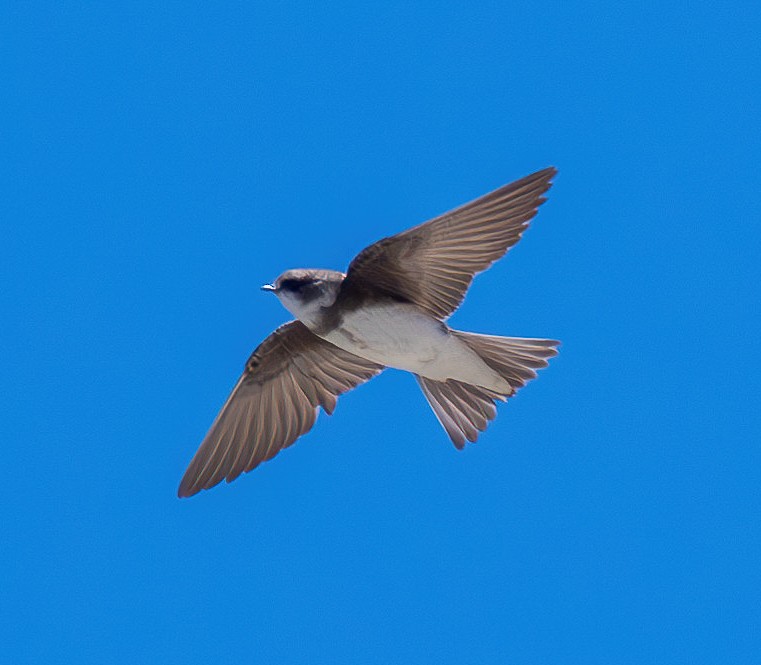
<point x="268" y="287"/>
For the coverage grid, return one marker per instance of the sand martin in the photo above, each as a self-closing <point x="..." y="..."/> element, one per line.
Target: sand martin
<point x="388" y="310"/>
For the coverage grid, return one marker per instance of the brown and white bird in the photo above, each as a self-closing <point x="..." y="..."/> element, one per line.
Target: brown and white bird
<point x="388" y="310"/>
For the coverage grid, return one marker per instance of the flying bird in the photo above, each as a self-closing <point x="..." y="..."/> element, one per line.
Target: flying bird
<point x="388" y="310"/>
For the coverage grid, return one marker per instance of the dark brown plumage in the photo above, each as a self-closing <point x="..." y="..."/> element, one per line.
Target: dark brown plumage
<point x="290" y="375"/>
<point x="433" y="264"/>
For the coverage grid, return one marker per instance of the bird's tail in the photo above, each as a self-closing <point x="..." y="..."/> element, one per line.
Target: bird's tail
<point x="464" y="409"/>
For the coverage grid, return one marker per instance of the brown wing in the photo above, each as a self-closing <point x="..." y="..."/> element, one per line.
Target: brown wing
<point x="432" y="265"/>
<point x="275" y="401"/>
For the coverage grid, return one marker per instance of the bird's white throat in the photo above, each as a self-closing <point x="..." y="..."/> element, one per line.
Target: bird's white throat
<point x="310" y="312"/>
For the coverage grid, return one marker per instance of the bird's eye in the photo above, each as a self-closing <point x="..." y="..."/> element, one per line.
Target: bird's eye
<point x="297" y="284"/>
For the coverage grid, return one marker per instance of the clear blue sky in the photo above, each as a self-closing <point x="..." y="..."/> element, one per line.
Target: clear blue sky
<point x="160" y="161"/>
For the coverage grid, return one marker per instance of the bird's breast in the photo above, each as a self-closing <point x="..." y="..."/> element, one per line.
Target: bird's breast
<point x="396" y="335"/>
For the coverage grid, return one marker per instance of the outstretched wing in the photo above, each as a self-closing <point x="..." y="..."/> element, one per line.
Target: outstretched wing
<point x="433" y="264"/>
<point x="275" y="401"/>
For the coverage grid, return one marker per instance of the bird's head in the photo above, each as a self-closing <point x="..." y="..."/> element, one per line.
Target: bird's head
<point x="304" y="291"/>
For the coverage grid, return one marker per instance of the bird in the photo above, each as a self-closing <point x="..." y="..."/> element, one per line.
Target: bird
<point x="388" y="310"/>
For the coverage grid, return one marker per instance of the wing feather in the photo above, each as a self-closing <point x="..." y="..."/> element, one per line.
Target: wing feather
<point x="290" y="375"/>
<point x="432" y="265"/>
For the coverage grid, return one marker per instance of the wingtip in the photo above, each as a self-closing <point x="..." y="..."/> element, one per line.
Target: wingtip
<point x="541" y="180"/>
<point x="186" y="489"/>
<point x="546" y="174"/>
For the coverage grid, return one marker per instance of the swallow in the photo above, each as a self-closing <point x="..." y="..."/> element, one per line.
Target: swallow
<point x="388" y="310"/>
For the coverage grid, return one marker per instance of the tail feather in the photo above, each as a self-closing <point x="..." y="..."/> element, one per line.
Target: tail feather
<point x="463" y="409"/>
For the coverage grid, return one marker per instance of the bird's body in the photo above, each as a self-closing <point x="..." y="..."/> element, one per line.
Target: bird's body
<point x="399" y="335"/>
<point x="388" y="310"/>
<point x="391" y="333"/>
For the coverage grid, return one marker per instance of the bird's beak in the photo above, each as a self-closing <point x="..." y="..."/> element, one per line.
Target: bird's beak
<point x="268" y="287"/>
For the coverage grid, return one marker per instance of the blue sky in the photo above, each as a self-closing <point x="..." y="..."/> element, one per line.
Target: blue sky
<point x="159" y="163"/>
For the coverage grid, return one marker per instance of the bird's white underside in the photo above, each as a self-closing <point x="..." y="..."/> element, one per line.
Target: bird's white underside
<point x="403" y="337"/>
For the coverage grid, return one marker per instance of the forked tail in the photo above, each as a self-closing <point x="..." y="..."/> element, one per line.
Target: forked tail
<point x="463" y="409"/>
